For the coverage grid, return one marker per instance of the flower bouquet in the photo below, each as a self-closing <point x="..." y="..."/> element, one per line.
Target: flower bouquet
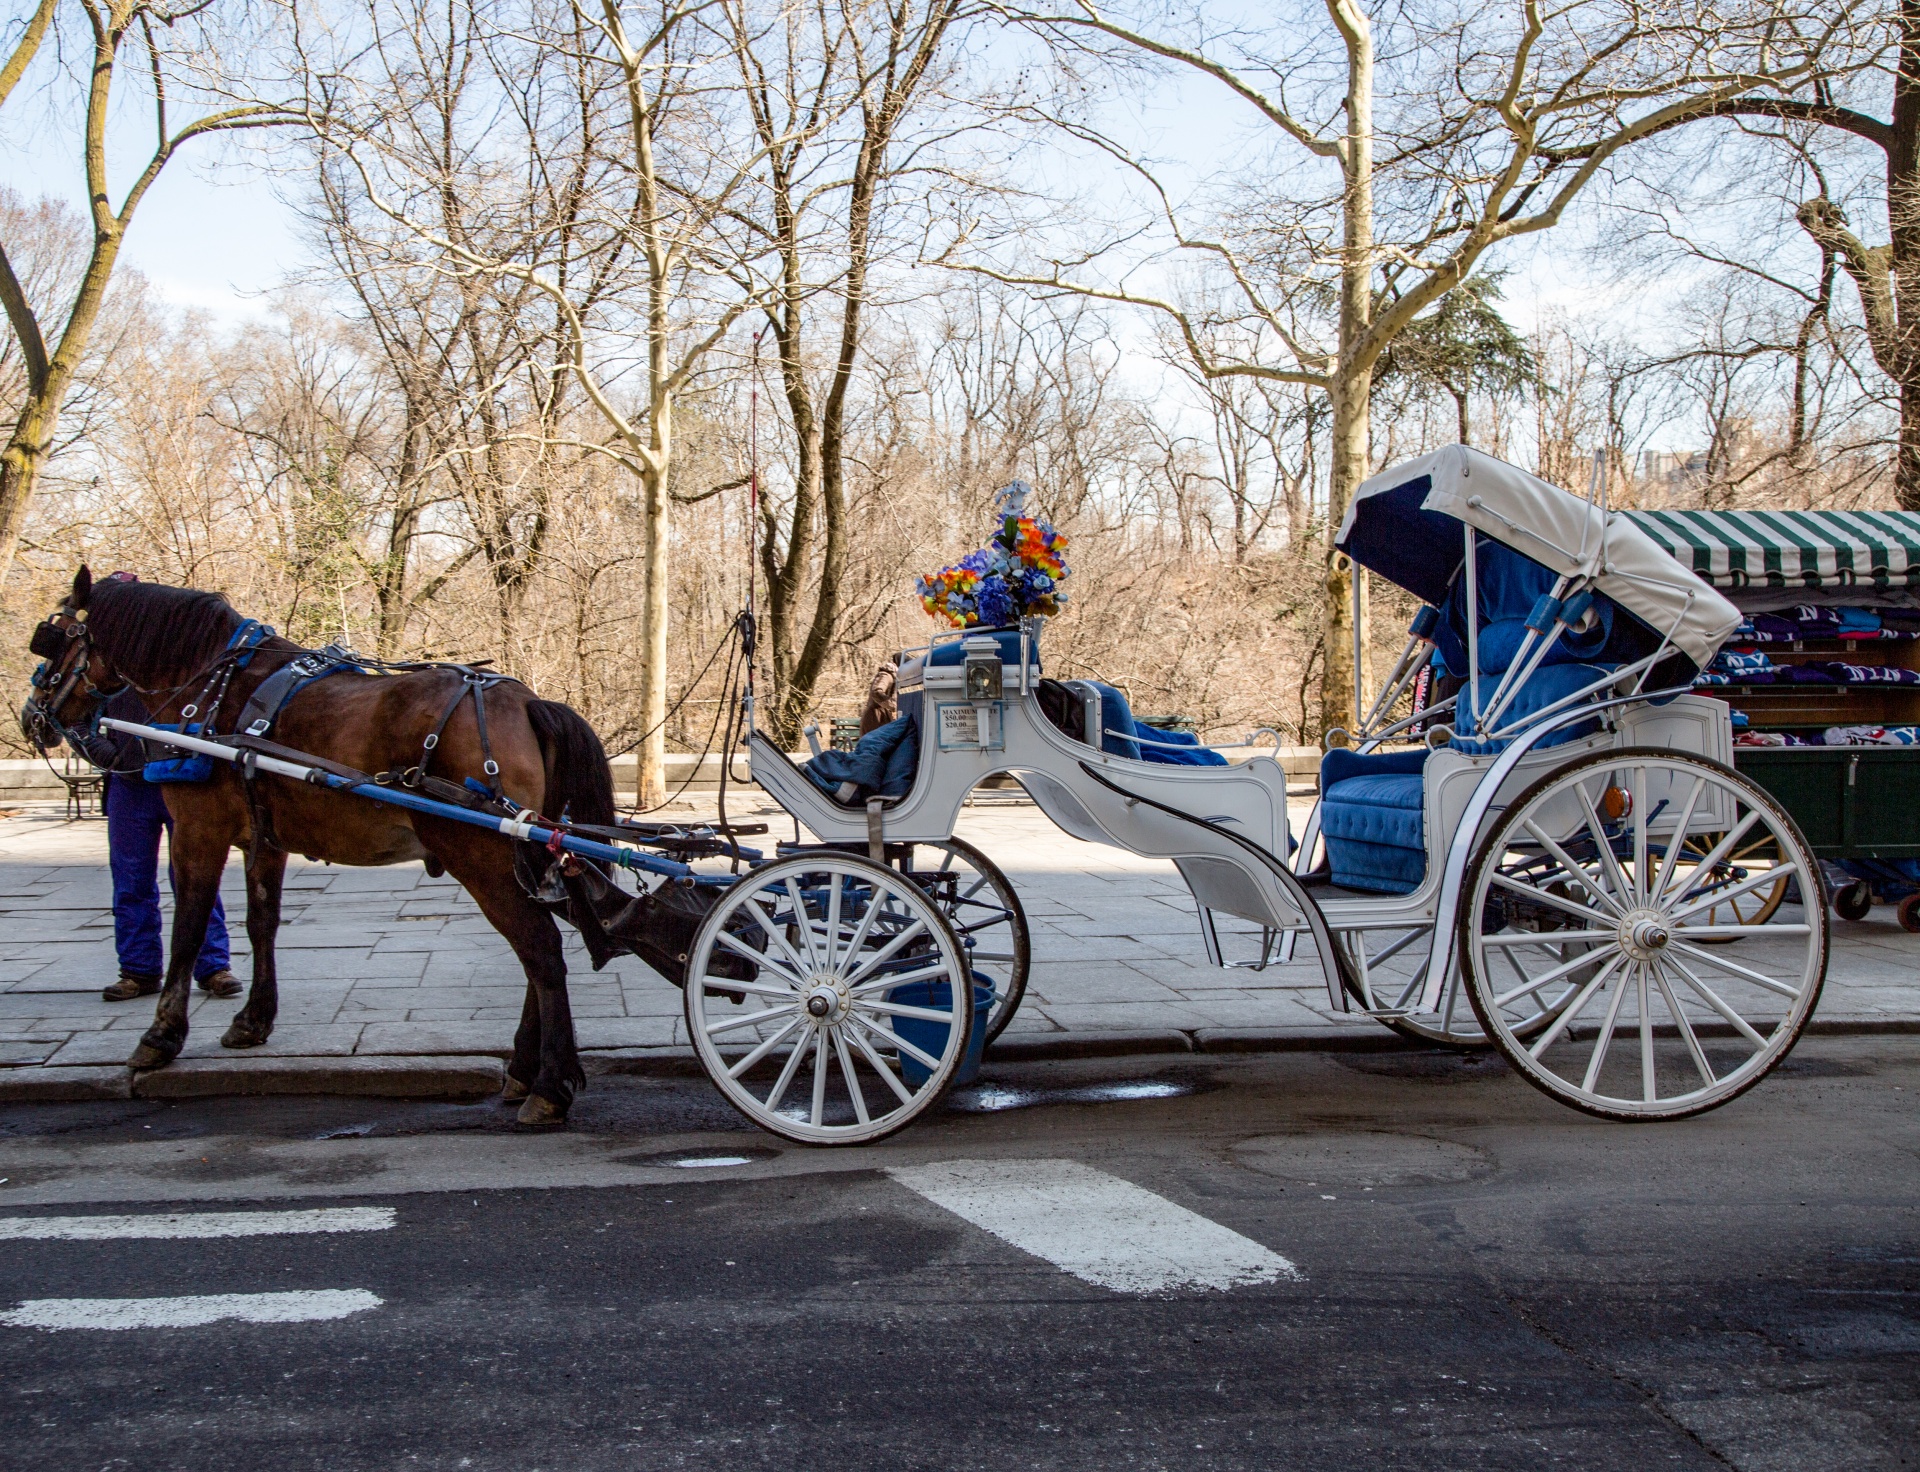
<point x="1016" y="575"/>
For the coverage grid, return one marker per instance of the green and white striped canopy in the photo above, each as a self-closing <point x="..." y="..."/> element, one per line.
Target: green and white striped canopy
<point x="1875" y="551"/>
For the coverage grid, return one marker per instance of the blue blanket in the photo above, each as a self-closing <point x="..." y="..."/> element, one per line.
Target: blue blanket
<point x="881" y="764"/>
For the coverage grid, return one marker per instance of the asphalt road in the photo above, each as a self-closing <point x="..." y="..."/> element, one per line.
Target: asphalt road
<point x="1480" y="1278"/>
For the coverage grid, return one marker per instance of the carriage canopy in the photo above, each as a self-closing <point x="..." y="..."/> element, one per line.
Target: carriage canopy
<point x="1406" y="524"/>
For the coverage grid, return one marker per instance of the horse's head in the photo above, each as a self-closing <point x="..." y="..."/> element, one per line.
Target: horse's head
<point x="73" y="681"/>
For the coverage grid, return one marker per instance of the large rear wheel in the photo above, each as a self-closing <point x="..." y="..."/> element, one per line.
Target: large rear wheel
<point x="1648" y="1018"/>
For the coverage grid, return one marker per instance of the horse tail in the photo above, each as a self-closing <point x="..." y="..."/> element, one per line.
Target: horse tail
<point x="579" y="781"/>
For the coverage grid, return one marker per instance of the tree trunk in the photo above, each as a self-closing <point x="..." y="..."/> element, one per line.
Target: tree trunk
<point x="650" y="785"/>
<point x="1352" y="376"/>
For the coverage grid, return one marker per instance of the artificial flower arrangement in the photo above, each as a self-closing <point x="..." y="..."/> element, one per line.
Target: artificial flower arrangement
<point x="1017" y="574"/>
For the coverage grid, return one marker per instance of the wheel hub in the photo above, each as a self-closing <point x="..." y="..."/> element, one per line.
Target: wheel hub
<point x="826" y="1003"/>
<point x="1644" y="934"/>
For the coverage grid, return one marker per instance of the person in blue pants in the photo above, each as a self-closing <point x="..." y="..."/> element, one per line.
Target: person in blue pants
<point x="136" y="818"/>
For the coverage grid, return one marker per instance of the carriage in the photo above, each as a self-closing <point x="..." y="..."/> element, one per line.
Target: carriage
<point x="1550" y="856"/>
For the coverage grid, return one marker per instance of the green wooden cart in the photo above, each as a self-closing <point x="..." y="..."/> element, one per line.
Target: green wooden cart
<point x="1858" y="805"/>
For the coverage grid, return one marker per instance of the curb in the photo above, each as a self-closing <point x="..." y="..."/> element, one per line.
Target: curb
<point x="391" y="1077"/>
<point x="471" y="1076"/>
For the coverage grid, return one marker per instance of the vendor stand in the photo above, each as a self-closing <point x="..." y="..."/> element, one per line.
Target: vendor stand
<point x="1824" y="680"/>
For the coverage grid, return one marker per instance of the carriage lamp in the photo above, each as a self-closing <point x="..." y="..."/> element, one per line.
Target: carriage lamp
<point x="983" y="676"/>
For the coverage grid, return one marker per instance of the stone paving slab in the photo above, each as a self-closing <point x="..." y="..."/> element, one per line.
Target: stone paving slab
<point x="382" y="964"/>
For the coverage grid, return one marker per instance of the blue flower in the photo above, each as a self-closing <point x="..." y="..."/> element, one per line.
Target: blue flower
<point x="994" y="601"/>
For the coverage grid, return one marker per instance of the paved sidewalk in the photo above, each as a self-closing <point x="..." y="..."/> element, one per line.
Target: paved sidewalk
<point x="389" y="963"/>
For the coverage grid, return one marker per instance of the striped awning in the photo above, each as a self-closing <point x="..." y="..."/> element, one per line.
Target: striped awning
<point x="1877" y="550"/>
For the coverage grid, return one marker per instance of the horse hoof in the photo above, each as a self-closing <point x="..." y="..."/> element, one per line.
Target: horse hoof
<point x="515" y="1091"/>
<point x="540" y="1114"/>
<point x="147" y="1056"/>
<point x="237" y="1036"/>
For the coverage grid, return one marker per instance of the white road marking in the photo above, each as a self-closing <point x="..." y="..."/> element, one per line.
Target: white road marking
<point x="198" y="1224"/>
<point x="189" y="1313"/>
<point x="1098" y="1227"/>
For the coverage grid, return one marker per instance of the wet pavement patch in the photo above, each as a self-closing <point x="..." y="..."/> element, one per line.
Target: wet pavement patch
<point x="987" y="1097"/>
<point x="702" y="1158"/>
<point x="1363" y="1158"/>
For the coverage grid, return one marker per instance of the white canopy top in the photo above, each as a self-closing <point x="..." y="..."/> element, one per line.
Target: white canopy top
<point x="1405" y="524"/>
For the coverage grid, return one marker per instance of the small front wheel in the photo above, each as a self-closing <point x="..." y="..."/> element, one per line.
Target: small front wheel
<point x="828" y="999"/>
<point x="1594" y="899"/>
<point x="981" y="905"/>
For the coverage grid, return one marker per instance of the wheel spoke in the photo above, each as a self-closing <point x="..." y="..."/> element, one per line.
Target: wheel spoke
<point x="781" y="1084"/>
<point x="804" y="919"/>
<point x="1745" y="973"/>
<point x="1574" y="871"/>
<point x="1517" y="940"/>
<point x="1603" y="845"/>
<point x="775" y="937"/>
<point x="1640" y="835"/>
<point x="888" y="951"/>
<point x="1732" y="892"/>
<point x="879" y="1066"/>
<point x="897" y="1009"/>
<point x="886" y="1034"/>
<point x="886" y="983"/>
<point x="1552" y="901"/>
<point x="759" y="958"/>
<point x="818" y="1114"/>
<point x="1679" y="840"/>
<point x="853" y="1084"/>
<point x="1573" y="1009"/>
<point x="1718" y="852"/>
<point x="1712" y="999"/>
<point x="1649" y="1086"/>
<point x="749" y="988"/>
<point x="1605" y="1039"/>
<point x="1506" y="999"/>
<point x="766" y="1046"/>
<point x="1685" y="1027"/>
<point x="750" y="1019"/>
<point x="1743" y="932"/>
<point x="833" y="925"/>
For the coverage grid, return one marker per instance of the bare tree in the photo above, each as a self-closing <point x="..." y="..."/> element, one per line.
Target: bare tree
<point x="829" y="85"/>
<point x="1496" y="123"/>
<point x="53" y="335"/>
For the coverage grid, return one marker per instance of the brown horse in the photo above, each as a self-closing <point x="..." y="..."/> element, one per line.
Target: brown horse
<point x="181" y="650"/>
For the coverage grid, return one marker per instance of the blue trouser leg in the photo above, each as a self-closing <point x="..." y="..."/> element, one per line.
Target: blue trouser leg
<point x="136" y="818"/>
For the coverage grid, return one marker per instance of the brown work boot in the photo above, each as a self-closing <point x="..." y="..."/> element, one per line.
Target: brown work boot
<point x="130" y="985"/>
<point x="222" y="983"/>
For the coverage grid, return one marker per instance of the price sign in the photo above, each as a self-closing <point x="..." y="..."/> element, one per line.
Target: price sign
<point x="959" y="727"/>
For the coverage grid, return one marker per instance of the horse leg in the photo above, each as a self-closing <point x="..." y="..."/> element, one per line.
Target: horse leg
<point x="526" y="1050"/>
<point x="198" y="861"/>
<point x="545" y="1057"/>
<point x="266" y="871"/>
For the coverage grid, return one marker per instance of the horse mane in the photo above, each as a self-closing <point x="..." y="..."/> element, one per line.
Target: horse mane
<point x="151" y="630"/>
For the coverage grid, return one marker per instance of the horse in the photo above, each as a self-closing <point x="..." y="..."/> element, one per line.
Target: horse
<point x="195" y="662"/>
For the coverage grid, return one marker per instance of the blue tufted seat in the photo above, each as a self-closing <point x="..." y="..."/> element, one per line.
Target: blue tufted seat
<point x="1372" y="818"/>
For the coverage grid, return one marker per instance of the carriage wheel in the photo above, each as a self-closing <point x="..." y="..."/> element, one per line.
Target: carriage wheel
<point x="987" y="916"/>
<point x="828" y="999"/>
<point x="1647" y="1022"/>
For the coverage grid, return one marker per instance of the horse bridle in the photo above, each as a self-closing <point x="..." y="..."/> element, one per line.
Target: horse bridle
<point x="66" y="663"/>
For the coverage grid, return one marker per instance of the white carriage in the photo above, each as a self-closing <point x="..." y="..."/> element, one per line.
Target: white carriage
<point x="1553" y="866"/>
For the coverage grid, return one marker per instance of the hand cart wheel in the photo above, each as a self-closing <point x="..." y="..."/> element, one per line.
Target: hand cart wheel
<point x="828" y="999"/>
<point x="1658" y="1026"/>
<point x="1753" y="906"/>
<point x="981" y="905"/>
<point x="1853" y="901"/>
<point x="1909" y="913"/>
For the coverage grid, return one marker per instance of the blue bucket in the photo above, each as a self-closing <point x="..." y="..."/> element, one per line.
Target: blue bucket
<point x="931" y="1037"/>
